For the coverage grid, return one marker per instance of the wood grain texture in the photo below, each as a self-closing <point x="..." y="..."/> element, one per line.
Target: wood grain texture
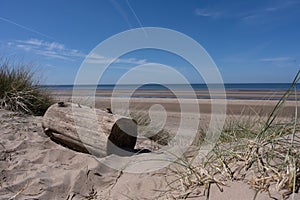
<point x="90" y="130"/>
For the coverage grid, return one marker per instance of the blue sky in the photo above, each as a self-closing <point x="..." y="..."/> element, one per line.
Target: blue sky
<point x="250" y="41"/>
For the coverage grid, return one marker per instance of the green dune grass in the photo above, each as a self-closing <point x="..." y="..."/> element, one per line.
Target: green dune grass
<point x="264" y="153"/>
<point x="19" y="91"/>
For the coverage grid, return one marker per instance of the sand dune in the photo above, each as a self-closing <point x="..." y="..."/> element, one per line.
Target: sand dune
<point x="34" y="167"/>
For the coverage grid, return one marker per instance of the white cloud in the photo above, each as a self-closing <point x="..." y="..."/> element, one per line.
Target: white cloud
<point x="207" y="13"/>
<point x="283" y="5"/>
<point x="57" y="50"/>
<point x="35" y="42"/>
<point x="269" y="12"/>
<point x="281" y="62"/>
<point x="132" y="61"/>
<point x="55" y="45"/>
<point x="24" y="47"/>
<point x="48" y="49"/>
<point x="44" y="44"/>
<point x="99" y="59"/>
<point x="272" y="9"/>
<point x="277" y="59"/>
<point x="53" y="54"/>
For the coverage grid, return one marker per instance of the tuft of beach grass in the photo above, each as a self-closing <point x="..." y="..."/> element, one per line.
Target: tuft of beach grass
<point x="265" y="153"/>
<point x="19" y="91"/>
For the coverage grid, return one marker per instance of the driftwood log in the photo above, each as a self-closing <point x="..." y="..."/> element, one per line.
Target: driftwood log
<point x="90" y="130"/>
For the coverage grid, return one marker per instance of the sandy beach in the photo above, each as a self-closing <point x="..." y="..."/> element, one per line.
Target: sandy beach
<point x="247" y="102"/>
<point x="149" y="100"/>
<point x="35" y="167"/>
<point x="200" y="94"/>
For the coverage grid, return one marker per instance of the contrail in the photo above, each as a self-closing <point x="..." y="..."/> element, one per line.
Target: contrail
<point x="136" y="17"/>
<point x="121" y="11"/>
<point x="26" y="28"/>
<point x="125" y="17"/>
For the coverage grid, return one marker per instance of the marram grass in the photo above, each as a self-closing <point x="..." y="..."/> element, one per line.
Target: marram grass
<point x="265" y="153"/>
<point x="19" y="91"/>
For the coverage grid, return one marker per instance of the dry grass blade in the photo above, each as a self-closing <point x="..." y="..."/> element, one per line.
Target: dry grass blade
<point x="278" y="106"/>
<point x="19" y="91"/>
<point x="264" y="153"/>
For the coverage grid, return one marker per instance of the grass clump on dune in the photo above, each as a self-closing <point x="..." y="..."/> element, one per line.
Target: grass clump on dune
<point x="19" y="91"/>
<point x="265" y="153"/>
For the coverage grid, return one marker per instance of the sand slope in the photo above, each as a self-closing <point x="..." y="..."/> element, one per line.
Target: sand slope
<point x="34" y="167"/>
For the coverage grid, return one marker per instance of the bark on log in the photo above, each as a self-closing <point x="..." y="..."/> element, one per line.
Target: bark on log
<point x="90" y="130"/>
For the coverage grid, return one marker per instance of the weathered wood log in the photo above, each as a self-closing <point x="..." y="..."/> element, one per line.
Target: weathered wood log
<point x="90" y="130"/>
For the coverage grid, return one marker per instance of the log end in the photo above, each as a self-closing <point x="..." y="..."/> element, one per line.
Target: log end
<point x="122" y="138"/>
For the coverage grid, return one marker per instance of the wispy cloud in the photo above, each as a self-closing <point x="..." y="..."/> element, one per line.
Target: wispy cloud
<point x="278" y="59"/>
<point x="55" y="50"/>
<point x="49" y="49"/>
<point x="268" y="12"/>
<point x="207" y="13"/>
<point x="99" y="59"/>
<point x="256" y="15"/>
<point x="283" y="5"/>
<point x="272" y="9"/>
<point x="43" y="44"/>
<point x="24" y="47"/>
<point x="132" y="61"/>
